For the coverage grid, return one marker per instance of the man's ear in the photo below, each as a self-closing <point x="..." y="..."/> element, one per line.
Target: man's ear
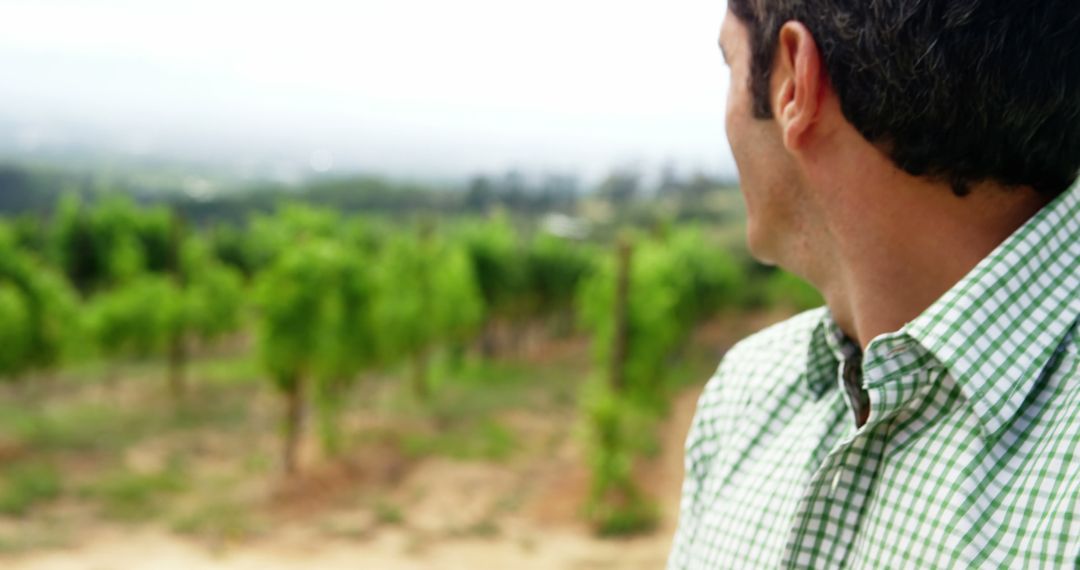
<point x="798" y="83"/>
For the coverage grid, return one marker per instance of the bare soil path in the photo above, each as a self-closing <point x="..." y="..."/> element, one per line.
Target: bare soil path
<point x="456" y="516"/>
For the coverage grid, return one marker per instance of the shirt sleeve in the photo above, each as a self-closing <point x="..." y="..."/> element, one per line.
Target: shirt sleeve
<point x="701" y="447"/>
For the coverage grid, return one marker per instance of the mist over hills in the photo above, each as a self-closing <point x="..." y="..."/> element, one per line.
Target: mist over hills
<point x="38" y="168"/>
<point x="256" y="157"/>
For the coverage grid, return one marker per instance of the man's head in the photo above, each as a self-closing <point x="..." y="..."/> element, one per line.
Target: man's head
<point x="960" y="91"/>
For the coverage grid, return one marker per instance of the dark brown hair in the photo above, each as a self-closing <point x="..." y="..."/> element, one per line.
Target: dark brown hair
<point x="958" y="90"/>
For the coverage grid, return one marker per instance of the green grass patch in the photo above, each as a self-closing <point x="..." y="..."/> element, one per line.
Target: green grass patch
<point x="474" y="386"/>
<point x="24" y="485"/>
<point x="472" y="440"/>
<point x="482" y="388"/>
<point x="73" y="427"/>
<point x="34" y="537"/>
<point x="233" y="370"/>
<point x="99" y="369"/>
<point x="131" y="497"/>
<point x="477" y="372"/>
<point x="486" y="528"/>
<point x="217" y="520"/>
<point x="258" y="463"/>
<point x="625" y="518"/>
<point x="223" y="408"/>
<point x="388" y="513"/>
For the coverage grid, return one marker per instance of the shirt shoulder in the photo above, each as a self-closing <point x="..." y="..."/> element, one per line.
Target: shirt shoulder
<point x="769" y="359"/>
<point x="762" y="367"/>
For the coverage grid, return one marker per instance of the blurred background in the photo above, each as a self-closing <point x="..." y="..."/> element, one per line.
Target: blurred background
<point x="373" y="284"/>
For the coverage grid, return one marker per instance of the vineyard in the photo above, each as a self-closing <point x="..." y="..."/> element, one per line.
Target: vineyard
<point x="304" y="368"/>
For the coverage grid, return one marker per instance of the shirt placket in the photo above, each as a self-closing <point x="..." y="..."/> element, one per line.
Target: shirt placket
<point x="828" y="516"/>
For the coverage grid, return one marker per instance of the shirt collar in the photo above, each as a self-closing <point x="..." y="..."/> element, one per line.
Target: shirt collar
<point x="829" y="346"/>
<point x="999" y="327"/>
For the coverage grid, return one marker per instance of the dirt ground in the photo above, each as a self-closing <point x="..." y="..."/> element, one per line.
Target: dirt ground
<point x="460" y="514"/>
<point x="441" y="530"/>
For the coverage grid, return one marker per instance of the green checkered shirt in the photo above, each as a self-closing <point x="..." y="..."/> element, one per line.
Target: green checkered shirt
<point x="971" y="454"/>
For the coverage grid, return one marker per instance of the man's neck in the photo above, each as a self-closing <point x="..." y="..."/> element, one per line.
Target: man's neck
<point x="900" y="247"/>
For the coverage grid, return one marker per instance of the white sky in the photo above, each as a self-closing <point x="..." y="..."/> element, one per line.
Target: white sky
<point x="444" y="86"/>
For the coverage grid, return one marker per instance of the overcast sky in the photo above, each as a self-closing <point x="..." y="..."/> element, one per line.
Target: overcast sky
<point x="439" y="86"/>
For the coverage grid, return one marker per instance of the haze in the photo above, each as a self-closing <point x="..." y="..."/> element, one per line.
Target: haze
<point x="403" y="87"/>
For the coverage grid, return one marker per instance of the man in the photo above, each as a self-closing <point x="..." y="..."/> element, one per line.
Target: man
<point x="912" y="159"/>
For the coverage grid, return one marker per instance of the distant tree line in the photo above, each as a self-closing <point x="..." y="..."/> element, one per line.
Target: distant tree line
<point x="35" y="191"/>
